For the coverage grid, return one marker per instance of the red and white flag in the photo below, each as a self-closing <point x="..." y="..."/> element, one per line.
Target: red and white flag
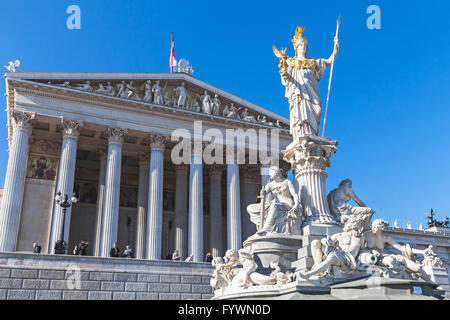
<point x="172" y="61"/>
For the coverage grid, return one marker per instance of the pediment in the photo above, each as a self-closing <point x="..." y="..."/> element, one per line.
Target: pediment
<point x="156" y="90"/>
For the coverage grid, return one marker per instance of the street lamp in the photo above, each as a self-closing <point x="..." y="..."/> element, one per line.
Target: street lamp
<point x="64" y="203"/>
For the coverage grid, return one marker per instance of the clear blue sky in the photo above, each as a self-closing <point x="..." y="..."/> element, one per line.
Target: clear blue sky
<point x="389" y="107"/>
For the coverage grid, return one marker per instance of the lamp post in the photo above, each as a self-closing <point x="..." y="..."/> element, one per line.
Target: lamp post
<point x="64" y="203"/>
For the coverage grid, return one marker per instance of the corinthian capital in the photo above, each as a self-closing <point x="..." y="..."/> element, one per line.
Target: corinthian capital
<point x="116" y="135"/>
<point x="157" y="141"/>
<point x="21" y="120"/>
<point x="71" y="127"/>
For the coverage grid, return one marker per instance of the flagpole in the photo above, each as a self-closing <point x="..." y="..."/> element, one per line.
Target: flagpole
<point x="329" y="81"/>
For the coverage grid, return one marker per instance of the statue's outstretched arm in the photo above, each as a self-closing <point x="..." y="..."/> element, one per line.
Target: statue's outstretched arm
<point x="335" y="52"/>
<point x="356" y="199"/>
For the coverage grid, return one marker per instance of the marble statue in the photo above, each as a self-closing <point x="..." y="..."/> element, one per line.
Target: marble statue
<point x="338" y="252"/>
<point x="147" y="87"/>
<point x="121" y="92"/>
<point x="65" y="84"/>
<point x="300" y="76"/>
<point x="396" y="224"/>
<point x="195" y="106"/>
<point x="185" y="67"/>
<point x="247" y="117"/>
<point x="421" y="227"/>
<point x="132" y="92"/>
<point x="430" y="258"/>
<point x="157" y="93"/>
<point x="227" y="274"/>
<point x="84" y="86"/>
<point x="181" y="95"/>
<point x="231" y="112"/>
<point x="279" y="214"/>
<point x="207" y="104"/>
<point x="263" y="120"/>
<point x="101" y="89"/>
<point x="337" y="202"/>
<point x="13" y="66"/>
<point x="409" y="226"/>
<point x="397" y="266"/>
<point x="215" y="105"/>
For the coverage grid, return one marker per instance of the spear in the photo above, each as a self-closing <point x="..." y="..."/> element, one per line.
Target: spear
<point x="338" y="22"/>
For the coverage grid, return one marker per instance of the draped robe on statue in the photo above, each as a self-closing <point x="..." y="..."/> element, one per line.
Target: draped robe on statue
<point x="302" y="89"/>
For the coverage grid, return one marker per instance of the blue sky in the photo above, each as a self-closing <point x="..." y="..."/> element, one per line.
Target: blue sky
<point x="389" y="107"/>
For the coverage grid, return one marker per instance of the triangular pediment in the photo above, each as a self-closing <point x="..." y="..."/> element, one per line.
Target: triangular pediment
<point x="156" y="89"/>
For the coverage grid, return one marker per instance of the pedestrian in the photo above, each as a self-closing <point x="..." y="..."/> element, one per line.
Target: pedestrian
<point x="176" y="256"/>
<point x="208" y="257"/>
<point x="36" y="248"/>
<point x="189" y="259"/>
<point x="168" y="257"/>
<point x="81" y="248"/>
<point x="128" y="253"/>
<point x="115" y="251"/>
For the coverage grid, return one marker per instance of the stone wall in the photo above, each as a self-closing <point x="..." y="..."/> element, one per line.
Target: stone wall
<point x="43" y="277"/>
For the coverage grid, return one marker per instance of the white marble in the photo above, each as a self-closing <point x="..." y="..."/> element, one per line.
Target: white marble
<point x="11" y="204"/>
<point x="112" y="190"/>
<point x="181" y="210"/>
<point x="142" y="203"/>
<point x="234" y="234"/>
<point x="195" y="244"/>
<point x="65" y="180"/>
<point x="215" y="209"/>
<point x="155" y="198"/>
<point x="100" y="196"/>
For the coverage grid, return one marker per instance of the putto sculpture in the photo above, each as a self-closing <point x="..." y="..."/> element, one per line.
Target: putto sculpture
<point x="300" y="75"/>
<point x="13" y="66"/>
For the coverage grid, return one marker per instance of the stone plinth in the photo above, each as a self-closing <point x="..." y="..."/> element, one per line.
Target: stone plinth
<point x="280" y="247"/>
<point x="309" y="156"/>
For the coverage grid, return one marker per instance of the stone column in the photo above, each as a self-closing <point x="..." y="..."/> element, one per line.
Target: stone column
<point x="100" y="196"/>
<point x="234" y="239"/>
<point x="142" y="203"/>
<point x="65" y="181"/>
<point x="155" y="198"/>
<point x="181" y="207"/>
<point x="11" y="203"/>
<point x="309" y="157"/>
<point x="195" y="245"/>
<point x="112" y="190"/>
<point x="249" y="194"/>
<point x="215" y="211"/>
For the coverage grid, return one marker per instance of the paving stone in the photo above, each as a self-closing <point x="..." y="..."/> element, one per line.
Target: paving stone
<point x="124" y="276"/>
<point x="124" y="295"/>
<point x="51" y="274"/>
<point x="146" y="296"/>
<point x="191" y="279"/>
<point x="170" y="278"/>
<point x="148" y="277"/>
<point x="35" y="284"/>
<point x="48" y="294"/>
<point x="176" y="287"/>
<point x="21" y="294"/>
<point x="169" y="296"/>
<point x="191" y="296"/>
<point x="10" y="283"/>
<point x="5" y="273"/>
<point x="135" y="286"/>
<point x="24" y="273"/>
<point x="104" y="276"/>
<point x="75" y="295"/>
<point x="158" y="287"/>
<point x="113" y="286"/>
<point x="99" y="295"/>
<point x="201" y="288"/>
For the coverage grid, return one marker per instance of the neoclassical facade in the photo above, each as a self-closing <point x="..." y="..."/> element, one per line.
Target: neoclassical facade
<point x="108" y="138"/>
